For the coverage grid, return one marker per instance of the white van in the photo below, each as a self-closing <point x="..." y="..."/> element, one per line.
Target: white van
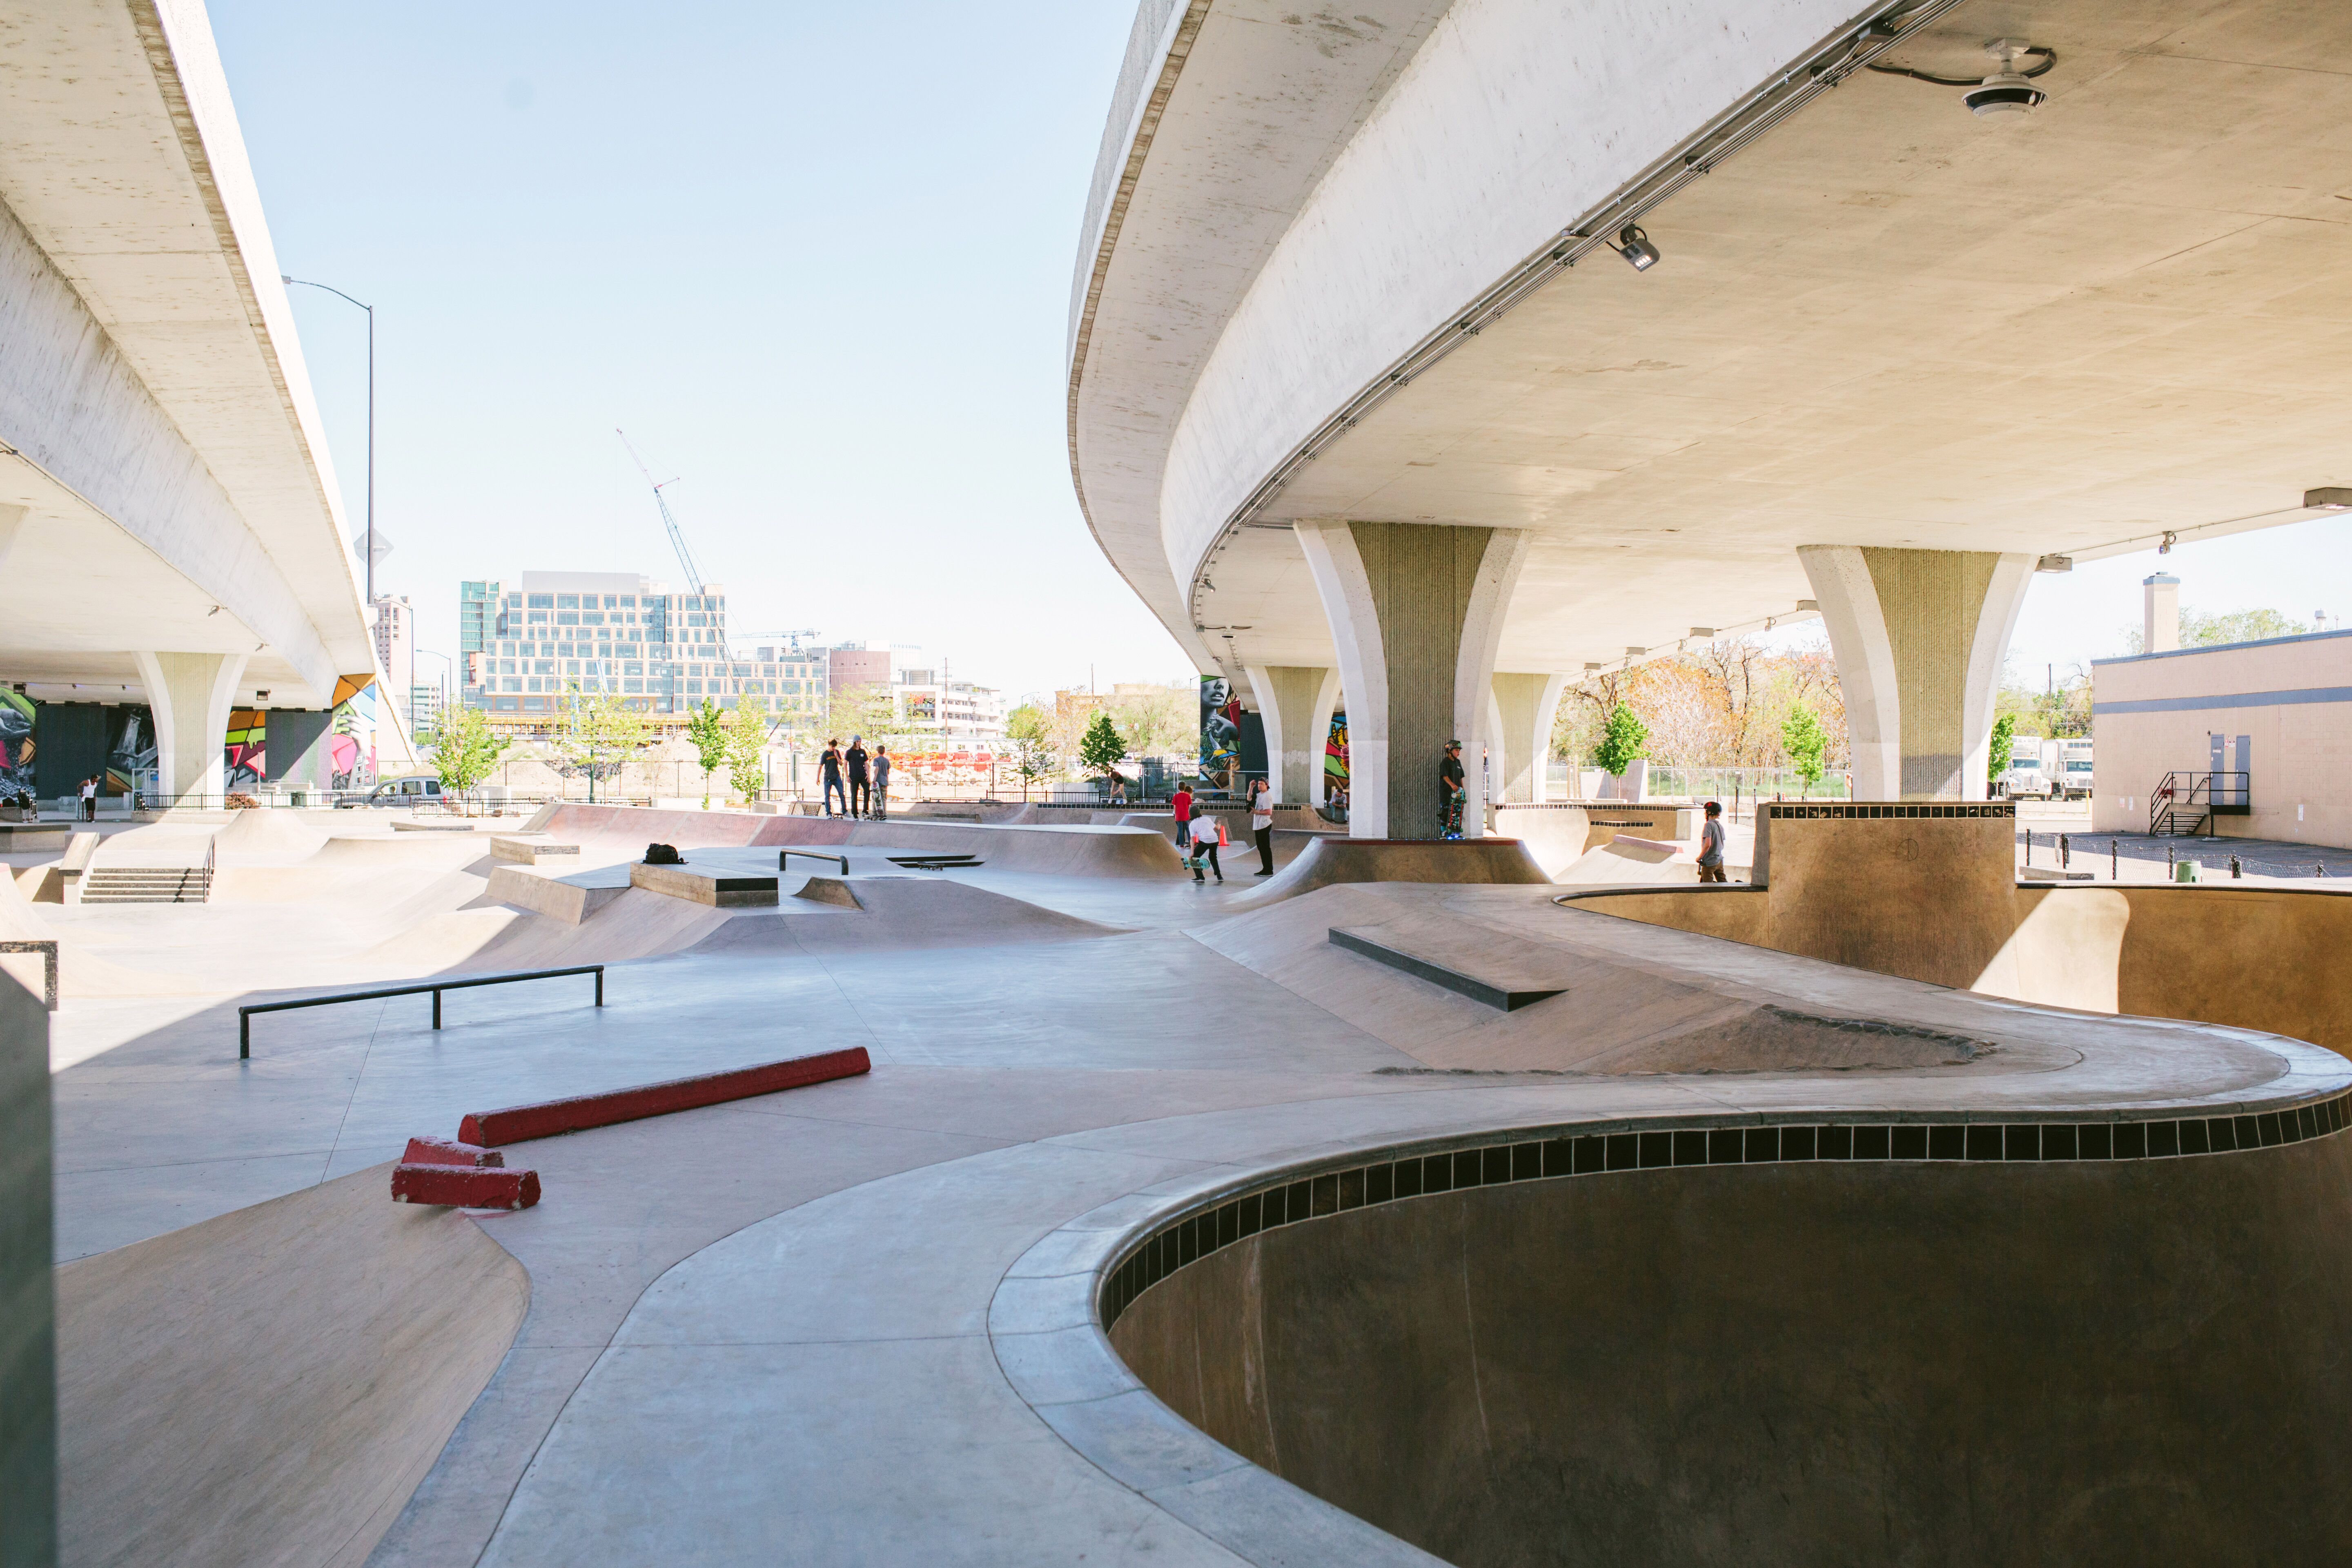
<point x="401" y="793"/>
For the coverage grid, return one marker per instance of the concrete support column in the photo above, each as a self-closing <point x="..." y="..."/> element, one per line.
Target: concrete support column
<point x="1416" y="612"/>
<point x="1919" y="637"/>
<point x="1289" y="697"/>
<point x="1519" y="743"/>
<point x="190" y="695"/>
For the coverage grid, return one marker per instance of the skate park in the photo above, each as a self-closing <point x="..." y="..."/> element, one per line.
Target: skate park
<point x="1510" y="1197"/>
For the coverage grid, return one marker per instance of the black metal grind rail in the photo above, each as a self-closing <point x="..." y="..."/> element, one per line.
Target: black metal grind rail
<point x="245" y="1014"/>
<point x="782" y="859"/>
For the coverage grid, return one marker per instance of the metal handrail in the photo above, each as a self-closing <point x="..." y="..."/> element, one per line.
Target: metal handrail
<point x="841" y="861"/>
<point x="245" y="1014"/>
<point x="2204" y="788"/>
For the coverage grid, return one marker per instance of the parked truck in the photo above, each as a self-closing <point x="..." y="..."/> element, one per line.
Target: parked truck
<point x="2074" y="768"/>
<point x="2032" y="767"/>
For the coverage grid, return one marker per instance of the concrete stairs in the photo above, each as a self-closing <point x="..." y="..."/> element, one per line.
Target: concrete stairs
<point x="146" y="885"/>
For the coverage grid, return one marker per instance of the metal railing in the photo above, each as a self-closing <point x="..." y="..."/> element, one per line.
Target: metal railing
<point x="783" y="858"/>
<point x="245" y="1014"/>
<point x="2197" y="796"/>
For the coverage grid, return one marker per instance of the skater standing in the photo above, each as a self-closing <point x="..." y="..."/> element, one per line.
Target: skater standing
<point x="881" y="781"/>
<point x="861" y="788"/>
<point x="1450" y="791"/>
<point x="830" y="766"/>
<point x="1180" y="804"/>
<point x="1262" y="825"/>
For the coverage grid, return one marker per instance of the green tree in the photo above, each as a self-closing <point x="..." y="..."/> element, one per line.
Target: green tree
<point x="2210" y="628"/>
<point x="869" y="711"/>
<point x="1100" y="750"/>
<point x="596" y="734"/>
<point x="1624" y="740"/>
<point x="1031" y="730"/>
<point x="747" y="747"/>
<point x="2004" y="734"/>
<point x="706" y="728"/>
<point x="1807" y="744"/>
<point x="464" y="749"/>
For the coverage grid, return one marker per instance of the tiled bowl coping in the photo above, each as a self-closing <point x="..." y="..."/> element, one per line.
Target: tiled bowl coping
<point x="1299" y="1197"/>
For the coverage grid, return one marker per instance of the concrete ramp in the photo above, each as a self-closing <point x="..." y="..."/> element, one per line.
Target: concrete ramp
<point x="1608" y="1016"/>
<point x="267" y="837"/>
<point x="618" y="833"/>
<point x="1628" y="860"/>
<point x="1329" y="861"/>
<point x="893" y="913"/>
<point x="269" y="1386"/>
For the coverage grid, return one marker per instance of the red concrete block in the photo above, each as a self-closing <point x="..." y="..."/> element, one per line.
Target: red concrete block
<point x="520" y="1123"/>
<point x="442" y="1152"/>
<point x="464" y="1186"/>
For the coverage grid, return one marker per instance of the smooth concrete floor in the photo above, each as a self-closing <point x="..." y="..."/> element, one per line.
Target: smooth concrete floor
<point x="778" y="1329"/>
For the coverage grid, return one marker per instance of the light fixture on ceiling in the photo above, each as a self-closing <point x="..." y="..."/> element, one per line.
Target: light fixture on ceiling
<point x="1702" y="631"/>
<point x="2008" y="91"/>
<point x="1635" y="248"/>
<point x="2332" y="498"/>
<point x="2166" y="548"/>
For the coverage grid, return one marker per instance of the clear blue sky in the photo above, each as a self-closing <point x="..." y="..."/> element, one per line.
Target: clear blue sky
<point x="816" y="259"/>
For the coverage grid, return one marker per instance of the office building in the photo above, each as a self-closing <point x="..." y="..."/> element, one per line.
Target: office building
<point x="527" y="643"/>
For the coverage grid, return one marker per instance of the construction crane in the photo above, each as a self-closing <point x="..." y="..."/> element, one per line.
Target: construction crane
<point x="677" y="534"/>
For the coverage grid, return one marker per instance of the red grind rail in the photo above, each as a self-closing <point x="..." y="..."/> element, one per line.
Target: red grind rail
<point x="464" y="1186"/>
<point x="520" y="1123"/>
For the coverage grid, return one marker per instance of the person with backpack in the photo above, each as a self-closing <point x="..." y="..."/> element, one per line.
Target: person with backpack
<point x="830" y="766"/>
<point x="1262" y="825"/>
<point x="1180" y="804"/>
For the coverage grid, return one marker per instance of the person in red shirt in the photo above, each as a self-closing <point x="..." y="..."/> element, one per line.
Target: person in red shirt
<point x="1183" y="806"/>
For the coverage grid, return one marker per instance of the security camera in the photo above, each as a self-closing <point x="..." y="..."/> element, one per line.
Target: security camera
<point x="2005" y="92"/>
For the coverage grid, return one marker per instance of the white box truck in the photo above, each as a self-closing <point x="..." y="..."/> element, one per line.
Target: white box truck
<point x="2074" y="768"/>
<point x="2032" y="768"/>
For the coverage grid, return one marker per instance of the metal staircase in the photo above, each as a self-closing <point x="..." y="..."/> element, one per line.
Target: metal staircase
<point x="2187" y="802"/>
<point x="147" y="885"/>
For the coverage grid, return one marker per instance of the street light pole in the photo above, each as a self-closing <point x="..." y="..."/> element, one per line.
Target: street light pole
<point x="371" y="460"/>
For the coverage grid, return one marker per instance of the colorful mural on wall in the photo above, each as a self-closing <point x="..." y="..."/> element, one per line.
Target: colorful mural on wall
<point x="247" y="759"/>
<point x="131" y="755"/>
<point x="331" y="751"/>
<point x="16" y="744"/>
<point x="1221" y="727"/>
<point x="1334" y="756"/>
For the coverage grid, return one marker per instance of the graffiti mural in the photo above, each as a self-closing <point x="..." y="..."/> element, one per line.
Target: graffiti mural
<point x="331" y="751"/>
<point x="1334" y="756"/>
<point x="247" y="762"/>
<point x="353" y="746"/>
<point x="1221" y="728"/>
<point x="16" y="744"/>
<point x="131" y="757"/>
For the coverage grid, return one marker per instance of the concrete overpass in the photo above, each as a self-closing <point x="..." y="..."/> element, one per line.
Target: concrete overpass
<point x="1360" y="383"/>
<point x="170" y="527"/>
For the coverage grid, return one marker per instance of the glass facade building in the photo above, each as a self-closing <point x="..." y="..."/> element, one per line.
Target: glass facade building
<point x="527" y="643"/>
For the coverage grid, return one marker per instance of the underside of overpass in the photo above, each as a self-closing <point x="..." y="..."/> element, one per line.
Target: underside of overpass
<point x="170" y="532"/>
<point x="1877" y="321"/>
